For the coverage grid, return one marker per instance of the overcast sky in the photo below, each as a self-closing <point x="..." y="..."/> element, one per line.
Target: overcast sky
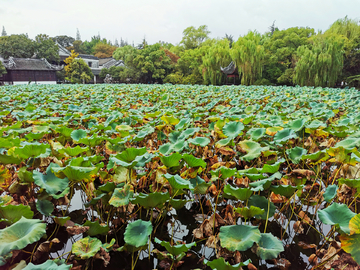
<point x="166" y="19"/>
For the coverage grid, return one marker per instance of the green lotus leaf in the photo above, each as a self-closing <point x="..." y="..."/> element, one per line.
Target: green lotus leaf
<point x="137" y="233"/>
<point x="193" y="161"/>
<point x="269" y="247"/>
<point x="265" y="183"/>
<point x="284" y="135"/>
<point x="250" y="109"/>
<point x="224" y="142"/>
<point x="256" y="133"/>
<point x="224" y="172"/>
<point x="108" y="246"/>
<point x="9" y="159"/>
<point x="86" y="248"/>
<point x="175" y="250"/>
<point x="20" y="234"/>
<point x="166" y="149"/>
<point x="296" y="154"/>
<point x="249" y="212"/>
<point x="170" y="120"/>
<point x="65" y="131"/>
<point x="239" y="237"/>
<point x="179" y="145"/>
<point x="73" y="151"/>
<point x="143" y="133"/>
<point x="122" y="196"/>
<point x="49" y="182"/>
<point x="183" y="122"/>
<point x="48" y="265"/>
<point x="78" y="134"/>
<point x="174" y="136"/>
<point x="151" y="200"/>
<point x="107" y="187"/>
<point x="45" y="207"/>
<point x="25" y="176"/>
<point x="330" y="193"/>
<point x="92" y="141"/>
<point x="220" y="264"/>
<point x="198" y="185"/>
<point x="75" y="173"/>
<point x="316" y="124"/>
<point x="318" y="156"/>
<point x="61" y="220"/>
<point x="171" y="161"/>
<point x="233" y="129"/>
<point x="95" y="228"/>
<point x="297" y="124"/>
<point x="271" y="168"/>
<point x="12" y="213"/>
<point x="284" y="190"/>
<point x="338" y="215"/>
<point x="178" y="203"/>
<point x="30" y="150"/>
<point x="239" y="193"/>
<point x="130" y="157"/>
<point x="35" y="136"/>
<point x="349" y="143"/>
<point x="200" y="141"/>
<point x="177" y="182"/>
<point x="62" y="194"/>
<point x="263" y="203"/>
<point x="253" y="150"/>
<point x="187" y="133"/>
<point x="9" y="142"/>
<point x="350" y="243"/>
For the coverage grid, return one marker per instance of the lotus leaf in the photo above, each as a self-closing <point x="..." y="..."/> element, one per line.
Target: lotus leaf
<point x="20" y="234"/>
<point x="269" y="247"/>
<point x="249" y="212"/>
<point x="73" y="151"/>
<point x="200" y="141"/>
<point x="253" y="150"/>
<point x="151" y="200"/>
<point x="45" y="207"/>
<point x="171" y="161"/>
<point x="296" y="154"/>
<point x="257" y="133"/>
<point x="284" y="190"/>
<point x="220" y="264"/>
<point x="297" y="124"/>
<point x="75" y="173"/>
<point x="330" y="192"/>
<point x="239" y="237"/>
<point x="177" y="182"/>
<point x="224" y="172"/>
<point x="193" y="161"/>
<point x="284" y="135"/>
<point x="50" y="182"/>
<point x="130" y="157"/>
<point x="12" y="213"/>
<point x="76" y="135"/>
<point x="137" y="233"/>
<point x="233" y="129"/>
<point x="198" y="185"/>
<point x="48" y="265"/>
<point x="350" y="243"/>
<point x="86" y="248"/>
<point x="95" y="228"/>
<point x="239" y="193"/>
<point x="263" y="203"/>
<point x="338" y="215"/>
<point x="122" y="196"/>
<point x="176" y="249"/>
<point x="30" y="150"/>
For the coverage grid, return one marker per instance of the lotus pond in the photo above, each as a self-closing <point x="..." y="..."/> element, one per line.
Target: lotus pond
<point x="179" y="177"/>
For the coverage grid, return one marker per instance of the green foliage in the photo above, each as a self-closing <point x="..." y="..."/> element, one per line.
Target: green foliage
<point x="249" y="56"/>
<point x="137" y="233"/>
<point x="2" y="69"/>
<point x="78" y="72"/>
<point x="194" y="37"/>
<point x="19" y="46"/>
<point x="46" y="48"/>
<point x="239" y="237"/>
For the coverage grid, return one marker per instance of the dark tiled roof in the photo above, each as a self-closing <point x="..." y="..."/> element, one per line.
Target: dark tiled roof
<point x="104" y="60"/>
<point x="87" y="56"/>
<point x="29" y="64"/>
<point x="230" y="69"/>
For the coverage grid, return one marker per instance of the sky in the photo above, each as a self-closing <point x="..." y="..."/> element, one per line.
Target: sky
<point x="165" y="20"/>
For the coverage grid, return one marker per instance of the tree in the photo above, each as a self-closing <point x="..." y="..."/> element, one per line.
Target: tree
<point x="322" y="63"/>
<point x="77" y="71"/>
<point x="193" y="38"/>
<point x="2" y="69"/>
<point x="350" y="29"/>
<point x="89" y="46"/>
<point x="103" y="50"/>
<point x="249" y="56"/>
<point x="116" y="43"/>
<point x="78" y="36"/>
<point x="46" y="48"/>
<point x="77" y="46"/>
<point x="3" y="33"/>
<point x="19" y="46"/>
<point x="64" y="41"/>
<point x="216" y="56"/>
<point x="230" y="38"/>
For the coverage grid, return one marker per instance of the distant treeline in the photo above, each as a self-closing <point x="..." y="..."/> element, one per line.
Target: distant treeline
<point x="294" y="56"/>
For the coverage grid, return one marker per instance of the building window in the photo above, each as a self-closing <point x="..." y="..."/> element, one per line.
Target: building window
<point x="90" y="64"/>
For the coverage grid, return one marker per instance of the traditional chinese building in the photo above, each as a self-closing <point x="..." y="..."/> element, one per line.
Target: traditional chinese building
<point x="29" y="71"/>
<point x="230" y="71"/>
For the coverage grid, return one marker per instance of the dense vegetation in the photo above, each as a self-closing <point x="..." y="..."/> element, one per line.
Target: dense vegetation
<point x="179" y="177"/>
<point x="294" y="56"/>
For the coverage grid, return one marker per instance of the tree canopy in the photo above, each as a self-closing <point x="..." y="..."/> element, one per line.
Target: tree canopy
<point x="45" y="47"/>
<point x="19" y="46"/>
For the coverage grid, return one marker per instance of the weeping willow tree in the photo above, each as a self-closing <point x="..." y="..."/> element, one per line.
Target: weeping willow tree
<point x="249" y="57"/>
<point x="321" y="64"/>
<point x="216" y="56"/>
